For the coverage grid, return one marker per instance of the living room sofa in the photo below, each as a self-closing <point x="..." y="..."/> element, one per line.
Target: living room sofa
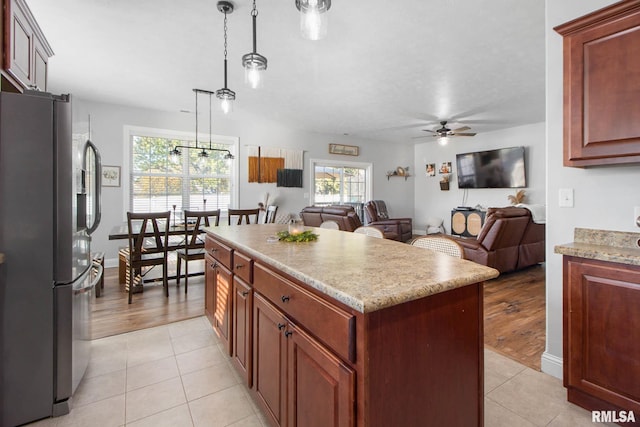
<point x="509" y="240"/>
<point x="345" y="216"/>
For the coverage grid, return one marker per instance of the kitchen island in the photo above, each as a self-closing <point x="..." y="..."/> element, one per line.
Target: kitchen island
<point x="349" y="329"/>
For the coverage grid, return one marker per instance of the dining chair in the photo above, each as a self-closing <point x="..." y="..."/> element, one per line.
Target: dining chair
<point x="245" y="214"/>
<point x="440" y="244"/>
<point x="148" y="239"/>
<point x="330" y="225"/>
<point x="193" y="240"/>
<point x="369" y="231"/>
<point x="270" y="214"/>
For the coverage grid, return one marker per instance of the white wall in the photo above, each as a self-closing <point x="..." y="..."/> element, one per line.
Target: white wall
<point x="433" y="202"/>
<point x="107" y="129"/>
<point x="604" y="196"/>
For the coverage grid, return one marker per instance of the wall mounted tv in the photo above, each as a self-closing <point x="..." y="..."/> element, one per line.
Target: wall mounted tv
<point x="501" y="168"/>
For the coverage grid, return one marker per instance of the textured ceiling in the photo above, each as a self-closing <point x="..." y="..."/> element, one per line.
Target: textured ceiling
<point x="385" y="71"/>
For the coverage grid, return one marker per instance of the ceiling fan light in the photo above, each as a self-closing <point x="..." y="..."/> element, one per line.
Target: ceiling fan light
<point x="443" y="140"/>
<point x="313" y="18"/>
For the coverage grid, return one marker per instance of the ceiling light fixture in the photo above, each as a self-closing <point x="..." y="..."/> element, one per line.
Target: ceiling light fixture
<point x="203" y="155"/>
<point x="313" y="18"/>
<point x="254" y="64"/>
<point x="225" y="95"/>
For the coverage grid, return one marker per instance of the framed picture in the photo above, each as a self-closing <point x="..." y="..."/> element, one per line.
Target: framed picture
<point x="431" y="169"/>
<point x="348" y="150"/>
<point x="445" y="167"/>
<point x="110" y="176"/>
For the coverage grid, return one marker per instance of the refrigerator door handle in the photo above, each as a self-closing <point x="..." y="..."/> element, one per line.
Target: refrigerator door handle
<point x="97" y="205"/>
<point x="93" y="283"/>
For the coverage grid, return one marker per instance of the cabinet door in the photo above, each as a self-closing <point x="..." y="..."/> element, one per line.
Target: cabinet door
<point x="602" y="332"/>
<point x="242" y="315"/>
<point x="269" y="358"/>
<point x="209" y="288"/>
<point x="320" y="388"/>
<point x="20" y="63"/>
<point x="223" y="300"/>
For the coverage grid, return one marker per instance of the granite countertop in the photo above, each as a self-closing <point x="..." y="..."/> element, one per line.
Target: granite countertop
<point x="614" y="246"/>
<point x="365" y="273"/>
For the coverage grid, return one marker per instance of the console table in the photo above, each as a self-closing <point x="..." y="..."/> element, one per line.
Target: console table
<point x="467" y="222"/>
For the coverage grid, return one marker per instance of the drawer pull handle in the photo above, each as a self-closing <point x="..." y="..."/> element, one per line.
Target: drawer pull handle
<point x="281" y="326"/>
<point x="285" y="298"/>
<point x="245" y="293"/>
<point x="288" y="334"/>
<point x="214" y="250"/>
<point x="239" y="266"/>
<point x="214" y="265"/>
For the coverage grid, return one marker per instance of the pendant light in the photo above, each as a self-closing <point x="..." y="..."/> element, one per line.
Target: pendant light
<point x="203" y="156"/>
<point x="225" y="95"/>
<point x="254" y="64"/>
<point x="313" y="18"/>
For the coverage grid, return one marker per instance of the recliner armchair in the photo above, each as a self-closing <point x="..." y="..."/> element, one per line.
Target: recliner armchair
<point x="399" y="229"/>
<point x="509" y="240"/>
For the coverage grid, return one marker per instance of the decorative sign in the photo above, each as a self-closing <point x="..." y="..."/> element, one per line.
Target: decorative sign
<point x="347" y="150"/>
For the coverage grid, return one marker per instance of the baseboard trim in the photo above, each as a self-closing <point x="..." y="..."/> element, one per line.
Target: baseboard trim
<point x="552" y="365"/>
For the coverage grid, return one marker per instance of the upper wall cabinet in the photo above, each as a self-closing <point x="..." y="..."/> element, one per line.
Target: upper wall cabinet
<point x="602" y="86"/>
<point x="25" y="51"/>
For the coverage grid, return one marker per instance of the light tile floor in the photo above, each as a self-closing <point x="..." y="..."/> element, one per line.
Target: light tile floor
<point x="178" y="375"/>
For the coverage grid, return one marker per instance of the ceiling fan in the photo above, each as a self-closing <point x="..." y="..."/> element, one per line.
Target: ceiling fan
<point x="445" y="132"/>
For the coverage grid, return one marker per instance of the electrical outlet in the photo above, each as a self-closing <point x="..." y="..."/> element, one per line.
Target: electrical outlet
<point x="565" y="198"/>
<point x="636" y="216"/>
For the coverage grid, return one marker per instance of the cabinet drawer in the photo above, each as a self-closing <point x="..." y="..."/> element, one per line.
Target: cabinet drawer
<point x="222" y="253"/>
<point x="243" y="267"/>
<point x="331" y="325"/>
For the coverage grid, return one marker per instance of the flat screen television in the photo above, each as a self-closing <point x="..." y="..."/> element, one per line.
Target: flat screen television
<point x="501" y="168"/>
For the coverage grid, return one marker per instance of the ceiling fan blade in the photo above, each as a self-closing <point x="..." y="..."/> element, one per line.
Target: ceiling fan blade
<point x="429" y="130"/>
<point x="463" y="128"/>
<point x="465" y="134"/>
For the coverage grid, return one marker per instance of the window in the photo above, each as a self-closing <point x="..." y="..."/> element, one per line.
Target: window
<point x="340" y="183"/>
<point x="157" y="184"/>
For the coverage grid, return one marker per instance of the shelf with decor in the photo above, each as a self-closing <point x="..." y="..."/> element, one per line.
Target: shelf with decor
<point x="402" y="172"/>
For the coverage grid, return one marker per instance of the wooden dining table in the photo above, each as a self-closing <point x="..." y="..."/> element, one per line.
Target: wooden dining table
<point x="121" y="232"/>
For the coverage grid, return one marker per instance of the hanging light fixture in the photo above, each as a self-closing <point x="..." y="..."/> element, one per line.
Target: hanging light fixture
<point x="254" y="64"/>
<point x="225" y="95"/>
<point x="203" y="156"/>
<point x="313" y="18"/>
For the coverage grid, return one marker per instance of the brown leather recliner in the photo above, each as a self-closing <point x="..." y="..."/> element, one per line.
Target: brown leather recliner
<point x="345" y="216"/>
<point x="509" y="240"/>
<point x="400" y="229"/>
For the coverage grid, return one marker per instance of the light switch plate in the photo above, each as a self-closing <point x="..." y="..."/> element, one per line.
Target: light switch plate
<point x="565" y="198"/>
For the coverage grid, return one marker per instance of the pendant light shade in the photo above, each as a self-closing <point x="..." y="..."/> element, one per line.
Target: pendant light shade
<point x="225" y="95"/>
<point x="313" y="18"/>
<point x="254" y="64"/>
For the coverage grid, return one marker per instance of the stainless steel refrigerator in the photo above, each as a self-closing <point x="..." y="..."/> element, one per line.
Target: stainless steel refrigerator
<point x="49" y="205"/>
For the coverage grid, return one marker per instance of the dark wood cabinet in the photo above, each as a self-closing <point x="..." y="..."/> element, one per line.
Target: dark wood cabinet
<point x="602" y="334"/>
<point x="209" y="288"/>
<point x="26" y="51"/>
<point x="223" y="289"/>
<point x="298" y="381"/>
<point x="320" y="387"/>
<point x="602" y="86"/>
<point x="242" y="314"/>
<point x="269" y="359"/>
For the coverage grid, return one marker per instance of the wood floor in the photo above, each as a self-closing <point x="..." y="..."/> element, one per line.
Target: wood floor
<point x="514" y="315"/>
<point x="514" y="310"/>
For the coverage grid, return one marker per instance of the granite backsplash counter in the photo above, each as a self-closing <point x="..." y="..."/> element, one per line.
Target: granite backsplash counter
<point x="363" y="272"/>
<point x="604" y="245"/>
